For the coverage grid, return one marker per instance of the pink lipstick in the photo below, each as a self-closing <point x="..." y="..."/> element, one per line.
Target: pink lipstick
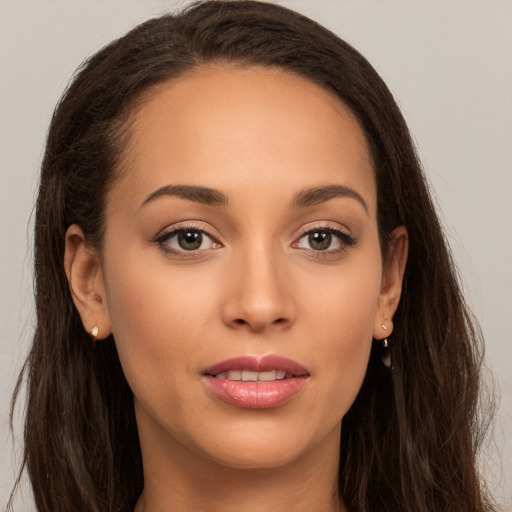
<point x="254" y="383"/>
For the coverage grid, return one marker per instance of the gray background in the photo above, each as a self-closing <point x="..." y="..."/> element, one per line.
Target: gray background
<point x="448" y="63"/>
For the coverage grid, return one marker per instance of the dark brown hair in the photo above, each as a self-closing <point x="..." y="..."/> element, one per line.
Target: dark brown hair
<point x="410" y="440"/>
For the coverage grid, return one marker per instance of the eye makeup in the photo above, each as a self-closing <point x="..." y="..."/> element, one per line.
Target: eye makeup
<point x="187" y="240"/>
<point x="194" y="240"/>
<point x="324" y="240"/>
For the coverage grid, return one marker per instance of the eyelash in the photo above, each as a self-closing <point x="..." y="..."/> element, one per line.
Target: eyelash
<point x="344" y="238"/>
<point x="163" y="240"/>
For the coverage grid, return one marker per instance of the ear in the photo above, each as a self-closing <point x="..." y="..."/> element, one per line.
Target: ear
<point x="391" y="286"/>
<point x="85" y="277"/>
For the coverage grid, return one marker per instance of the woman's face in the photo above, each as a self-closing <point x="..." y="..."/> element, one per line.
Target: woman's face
<point x="241" y="266"/>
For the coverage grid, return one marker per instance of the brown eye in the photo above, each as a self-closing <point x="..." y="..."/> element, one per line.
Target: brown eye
<point x="328" y="240"/>
<point x="190" y="240"/>
<point x="320" y="240"/>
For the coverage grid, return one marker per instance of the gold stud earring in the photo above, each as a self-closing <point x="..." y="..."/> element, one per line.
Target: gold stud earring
<point x="94" y="332"/>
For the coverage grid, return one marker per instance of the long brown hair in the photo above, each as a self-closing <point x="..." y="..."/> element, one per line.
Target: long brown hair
<point x="410" y="440"/>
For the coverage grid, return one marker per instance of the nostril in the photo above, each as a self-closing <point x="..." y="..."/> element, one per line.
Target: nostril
<point x="256" y="325"/>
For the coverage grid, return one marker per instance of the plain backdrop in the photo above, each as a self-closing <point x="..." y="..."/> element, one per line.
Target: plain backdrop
<point x="448" y="63"/>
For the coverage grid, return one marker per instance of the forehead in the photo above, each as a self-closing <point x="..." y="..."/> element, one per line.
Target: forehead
<point x="227" y="127"/>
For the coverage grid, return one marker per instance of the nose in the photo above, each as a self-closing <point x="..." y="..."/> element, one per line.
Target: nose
<point x="259" y="295"/>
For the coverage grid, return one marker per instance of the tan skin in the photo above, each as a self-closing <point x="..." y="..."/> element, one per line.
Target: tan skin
<point x="258" y="283"/>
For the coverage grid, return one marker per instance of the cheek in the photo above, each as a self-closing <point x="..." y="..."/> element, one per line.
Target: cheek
<point x="343" y="304"/>
<point x="156" y="322"/>
<point x="341" y="321"/>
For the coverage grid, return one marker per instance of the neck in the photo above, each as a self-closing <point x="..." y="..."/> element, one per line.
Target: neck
<point x="176" y="478"/>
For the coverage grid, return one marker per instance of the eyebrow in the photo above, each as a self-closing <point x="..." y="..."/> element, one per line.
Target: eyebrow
<point x="318" y="195"/>
<point x="203" y="195"/>
<point x="210" y="196"/>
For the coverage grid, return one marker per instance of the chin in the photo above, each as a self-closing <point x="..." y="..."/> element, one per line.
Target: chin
<point x="262" y="446"/>
<point x="254" y="457"/>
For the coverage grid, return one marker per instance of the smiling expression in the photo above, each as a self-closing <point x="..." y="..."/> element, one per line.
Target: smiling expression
<point x="242" y="266"/>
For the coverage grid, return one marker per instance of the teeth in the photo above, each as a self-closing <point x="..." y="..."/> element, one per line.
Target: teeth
<point x="247" y="375"/>
<point x="250" y="376"/>
<point x="266" y="376"/>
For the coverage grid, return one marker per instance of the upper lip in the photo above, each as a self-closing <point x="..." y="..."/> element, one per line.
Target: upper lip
<point x="258" y="364"/>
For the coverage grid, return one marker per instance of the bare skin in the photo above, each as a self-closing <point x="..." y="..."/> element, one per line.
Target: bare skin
<point x="283" y="258"/>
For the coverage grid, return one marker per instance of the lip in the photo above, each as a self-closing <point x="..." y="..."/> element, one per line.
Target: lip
<point x="258" y="364"/>
<point x="256" y="394"/>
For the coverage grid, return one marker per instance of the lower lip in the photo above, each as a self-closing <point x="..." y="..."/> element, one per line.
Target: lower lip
<point x="255" y="395"/>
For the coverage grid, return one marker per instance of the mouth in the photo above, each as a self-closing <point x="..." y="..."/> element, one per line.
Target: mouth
<point x="256" y="383"/>
<point x="250" y="376"/>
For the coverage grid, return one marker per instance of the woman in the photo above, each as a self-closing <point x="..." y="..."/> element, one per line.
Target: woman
<point x="244" y="297"/>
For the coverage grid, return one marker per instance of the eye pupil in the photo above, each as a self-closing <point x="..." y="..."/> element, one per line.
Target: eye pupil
<point x="320" y="240"/>
<point x="190" y="240"/>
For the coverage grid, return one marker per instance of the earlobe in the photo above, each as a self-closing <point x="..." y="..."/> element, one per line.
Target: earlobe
<point x="391" y="286"/>
<point x="85" y="278"/>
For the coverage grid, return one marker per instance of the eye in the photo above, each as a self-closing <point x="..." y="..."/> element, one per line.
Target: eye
<point x="186" y="240"/>
<point x="320" y="241"/>
<point x="324" y="240"/>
